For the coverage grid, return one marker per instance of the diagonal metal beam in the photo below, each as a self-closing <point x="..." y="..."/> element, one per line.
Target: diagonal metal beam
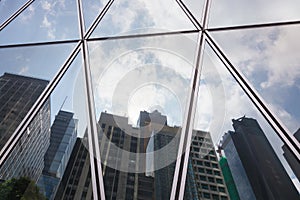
<point x="253" y="26"/>
<point x="12" y="17"/>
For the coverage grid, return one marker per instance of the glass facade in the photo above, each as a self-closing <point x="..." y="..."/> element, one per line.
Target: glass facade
<point x="172" y="99"/>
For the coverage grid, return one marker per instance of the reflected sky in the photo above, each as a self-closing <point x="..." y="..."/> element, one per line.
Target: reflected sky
<point x="143" y="74"/>
<point x="270" y="61"/>
<point x="241" y="12"/>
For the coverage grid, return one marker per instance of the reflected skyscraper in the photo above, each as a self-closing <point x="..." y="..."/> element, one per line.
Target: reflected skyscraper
<point x="18" y="94"/>
<point x="62" y="140"/>
<point x="255" y="167"/>
<point x="204" y="177"/>
<point x="76" y="181"/>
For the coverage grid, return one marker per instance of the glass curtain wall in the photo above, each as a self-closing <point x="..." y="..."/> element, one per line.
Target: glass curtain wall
<point x="173" y="99"/>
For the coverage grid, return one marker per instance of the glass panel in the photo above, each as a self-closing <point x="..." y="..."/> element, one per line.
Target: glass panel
<point x="18" y="93"/>
<point x="227" y="121"/>
<point x="43" y="21"/>
<point x="66" y="173"/>
<point x="52" y="151"/>
<point x="91" y="9"/>
<point x="7" y="8"/>
<point x="196" y="7"/>
<point x="141" y="87"/>
<point x="241" y="12"/>
<point x="142" y="17"/>
<point x="268" y="58"/>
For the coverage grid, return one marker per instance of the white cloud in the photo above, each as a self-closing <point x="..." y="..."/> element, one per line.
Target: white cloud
<point x="46" y="23"/>
<point x="236" y="12"/>
<point x="153" y="69"/>
<point x="46" y="5"/>
<point x="143" y="16"/>
<point x="23" y="70"/>
<point x="27" y="15"/>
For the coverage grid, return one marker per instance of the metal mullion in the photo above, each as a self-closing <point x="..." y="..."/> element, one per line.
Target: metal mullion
<point x="178" y="192"/>
<point x="258" y="101"/>
<point x="189" y="14"/>
<point x="93" y="141"/>
<point x="206" y="14"/>
<point x="98" y="19"/>
<point x="38" y="44"/>
<point x="11" y="18"/>
<point x="142" y="35"/>
<point x="192" y="115"/>
<point x="252" y="26"/>
<point x="186" y="125"/>
<point x="10" y="144"/>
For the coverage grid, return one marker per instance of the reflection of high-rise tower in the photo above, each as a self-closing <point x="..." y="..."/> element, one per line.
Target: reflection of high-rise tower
<point x="293" y="162"/>
<point x="62" y="140"/>
<point x="255" y="167"/>
<point x="18" y="94"/>
<point x="204" y="172"/>
<point x="119" y="143"/>
<point x="76" y="181"/>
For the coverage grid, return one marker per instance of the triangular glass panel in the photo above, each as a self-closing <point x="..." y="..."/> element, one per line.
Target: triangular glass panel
<point x="39" y="61"/>
<point x="229" y="136"/>
<point x="20" y="68"/>
<point x="7" y="8"/>
<point x="43" y="21"/>
<point x="269" y="59"/>
<point x="91" y="9"/>
<point x="243" y="12"/>
<point x="196" y="8"/>
<point x="138" y="17"/>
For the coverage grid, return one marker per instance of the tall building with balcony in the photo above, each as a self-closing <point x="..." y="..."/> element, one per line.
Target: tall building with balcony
<point x="17" y="96"/>
<point x="62" y="140"/>
<point x="255" y="167"/>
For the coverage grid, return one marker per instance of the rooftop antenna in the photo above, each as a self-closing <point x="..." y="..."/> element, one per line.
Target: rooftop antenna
<point x="63" y="103"/>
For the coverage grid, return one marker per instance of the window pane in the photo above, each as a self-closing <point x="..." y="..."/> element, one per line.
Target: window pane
<point x="196" y="8"/>
<point x="223" y="107"/>
<point x="142" y="17"/>
<point x="269" y="59"/>
<point x="18" y="91"/>
<point x="43" y="21"/>
<point x="241" y="12"/>
<point x="140" y="88"/>
<point x="7" y="8"/>
<point x="91" y="9"/>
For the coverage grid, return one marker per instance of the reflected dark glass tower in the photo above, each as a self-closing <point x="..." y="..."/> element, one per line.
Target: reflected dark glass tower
<point x="76" y="181"/>
<point x="18" y="94"/>
<point x="254" y="164"/>
<point x="62" y="139"/>
<point x="293" y="162"/>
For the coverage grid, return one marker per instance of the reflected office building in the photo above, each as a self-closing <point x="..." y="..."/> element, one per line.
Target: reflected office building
<point x="135" y="168"/>
<point x="204" y="176"/>
<point x="62" y="140"/>
<point x="255" y="167"/>
<point x="18" y="94"/>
